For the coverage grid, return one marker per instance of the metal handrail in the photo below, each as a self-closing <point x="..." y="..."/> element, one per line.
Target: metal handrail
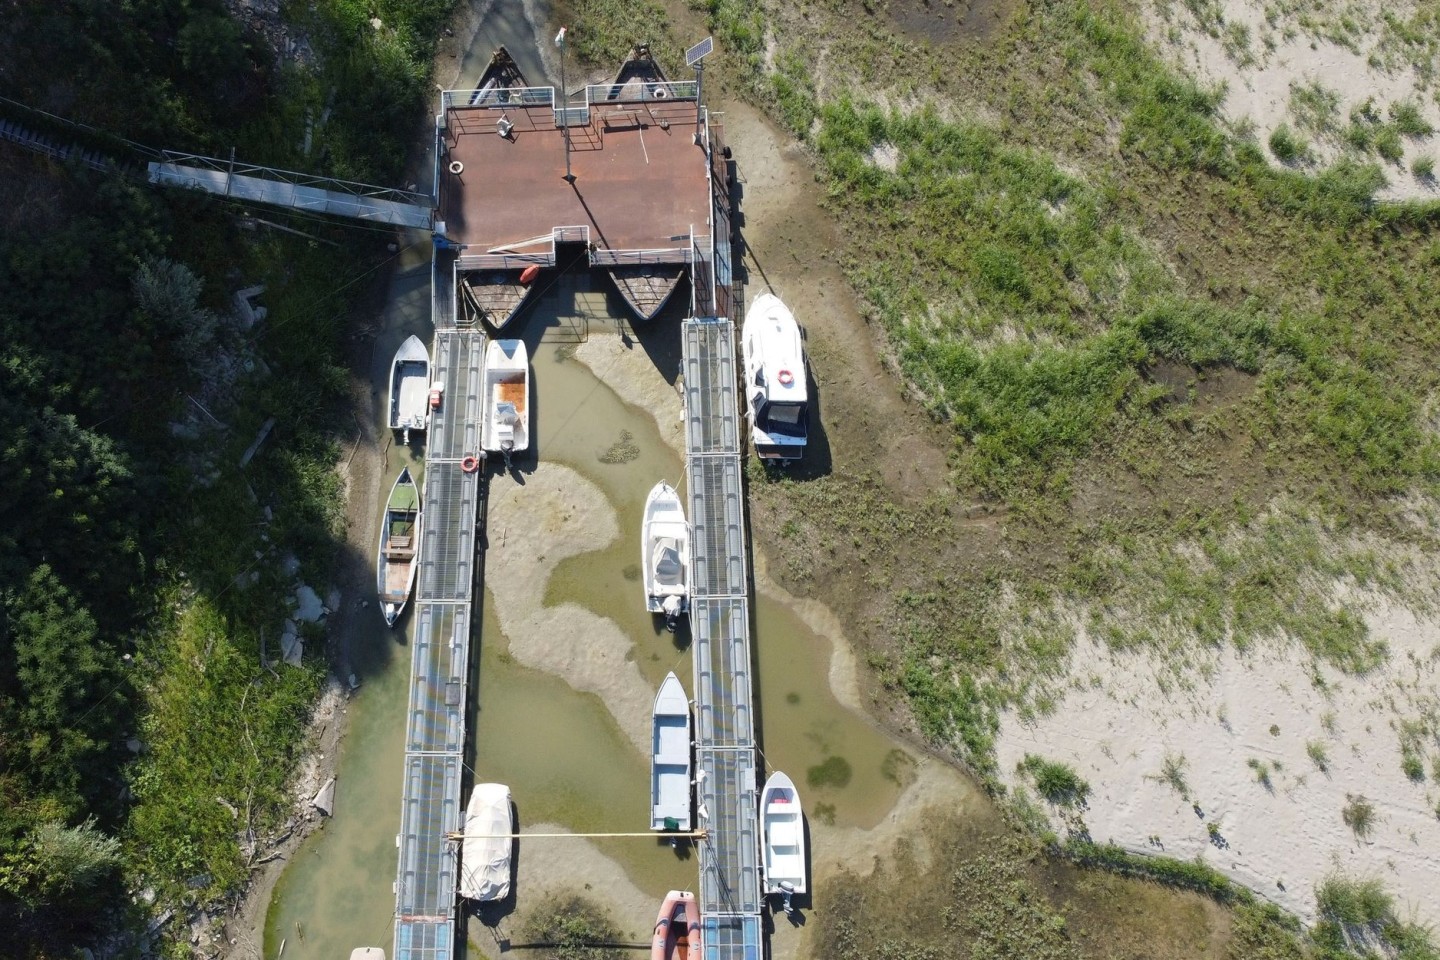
<point x="278" y="175"/>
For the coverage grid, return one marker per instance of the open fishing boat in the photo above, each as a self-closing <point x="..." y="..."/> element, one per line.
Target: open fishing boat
<point x="677" y="928"/>
<point x="670" y="758"/>
<point x="410" y="388"/>
<point x="665" y="553"/>
<point x="506" y="425"/>
<point x="485" y="849"/>
<point x="782" y="828"/>
<point x="775" y="380"/>
<point x="396" y="560"/>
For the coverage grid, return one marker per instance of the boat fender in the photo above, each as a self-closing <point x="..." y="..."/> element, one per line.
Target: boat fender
<point x="528" y="275"/>
<point x="785" y="377"/>
<point x="470" y="464"/>
<point x="456" y="167"/>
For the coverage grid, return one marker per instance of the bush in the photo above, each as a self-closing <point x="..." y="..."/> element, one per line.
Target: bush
<point x="1055" y="781"/>
<point x="1286" y="146"/>
<point x="1359" y="815"/>
<point x="1423" y="167"/>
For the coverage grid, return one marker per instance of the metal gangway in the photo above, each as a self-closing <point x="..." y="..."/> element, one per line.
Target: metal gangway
<point x="726" y="793"/>
<point x="431" y="807"/>
<point x="299" y="191"/>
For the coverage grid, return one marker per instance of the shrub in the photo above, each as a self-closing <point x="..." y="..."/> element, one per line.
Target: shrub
<point x="1414" y="766"/>
<point x="1359" y="815"/>
<point x="1286" y="146"/>
<point x="1423" y="167"/>
<point x="1055" y="781"/>
<point x="1353" y="901"/>
<point x="1407" y="119"/>
<point x="1318" y="755"/>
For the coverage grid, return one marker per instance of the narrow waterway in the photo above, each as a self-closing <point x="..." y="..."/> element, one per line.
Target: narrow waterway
<point x="565" y="757"/>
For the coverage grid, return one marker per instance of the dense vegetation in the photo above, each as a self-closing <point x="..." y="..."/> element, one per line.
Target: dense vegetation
<point x="143" y="743"/>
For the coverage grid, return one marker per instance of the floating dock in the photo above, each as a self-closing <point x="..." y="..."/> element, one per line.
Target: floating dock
<point x="432" y="808"/>
<point x="650" y="186"/>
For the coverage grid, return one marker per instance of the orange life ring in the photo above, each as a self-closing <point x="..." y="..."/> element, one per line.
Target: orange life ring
<point x="528" y="275"/>
<point x="785" y="377"/>
<point x="470" y="464"/>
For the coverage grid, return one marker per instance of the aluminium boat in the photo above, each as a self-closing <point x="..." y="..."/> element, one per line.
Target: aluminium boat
<point x="670" y="758"/>
<point x="410" y="388"/>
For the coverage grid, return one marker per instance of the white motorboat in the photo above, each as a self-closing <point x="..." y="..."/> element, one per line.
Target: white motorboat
<point x="410" y="388"/>
<point x="665" y="553"/>
<point x="670" y="758"/>
<point x="485" y="849"/>
<point x="782" y="829"/>
<point x="506" y="425"/>
<point x="775" y="380"/>
<point x="397" y="557"/>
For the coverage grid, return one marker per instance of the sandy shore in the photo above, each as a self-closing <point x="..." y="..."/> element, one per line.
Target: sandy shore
<point x="1261" y="712"/>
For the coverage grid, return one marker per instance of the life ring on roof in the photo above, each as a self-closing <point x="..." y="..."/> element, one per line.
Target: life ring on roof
<point x="785" y="377"/>
<point x="528" y="275"/>
<point x="456" y="167"/>
<point x="660" y="93"/>
<point x="470" y="464"/>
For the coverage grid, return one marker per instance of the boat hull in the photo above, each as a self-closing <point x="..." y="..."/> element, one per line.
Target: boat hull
<point x="397" y="556"/>
<point x="495" y="296"/>
<point x="646" y="289"/>
<point x="677" y="928"/>
<point x="782" y="830"/>
<point x="670" y="758"/>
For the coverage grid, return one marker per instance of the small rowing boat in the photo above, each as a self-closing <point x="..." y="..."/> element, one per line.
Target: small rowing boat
<point x="396" y="559"/>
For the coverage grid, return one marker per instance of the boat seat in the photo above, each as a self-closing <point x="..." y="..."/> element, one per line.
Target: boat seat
<point x="403" y="552"/>
<point x="668" y="568"/>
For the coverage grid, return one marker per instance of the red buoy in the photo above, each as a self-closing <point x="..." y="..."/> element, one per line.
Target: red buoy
<point x="528" y="275"/>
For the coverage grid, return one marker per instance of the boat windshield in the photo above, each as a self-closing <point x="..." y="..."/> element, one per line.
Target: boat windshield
<point x="786" y="413"/>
